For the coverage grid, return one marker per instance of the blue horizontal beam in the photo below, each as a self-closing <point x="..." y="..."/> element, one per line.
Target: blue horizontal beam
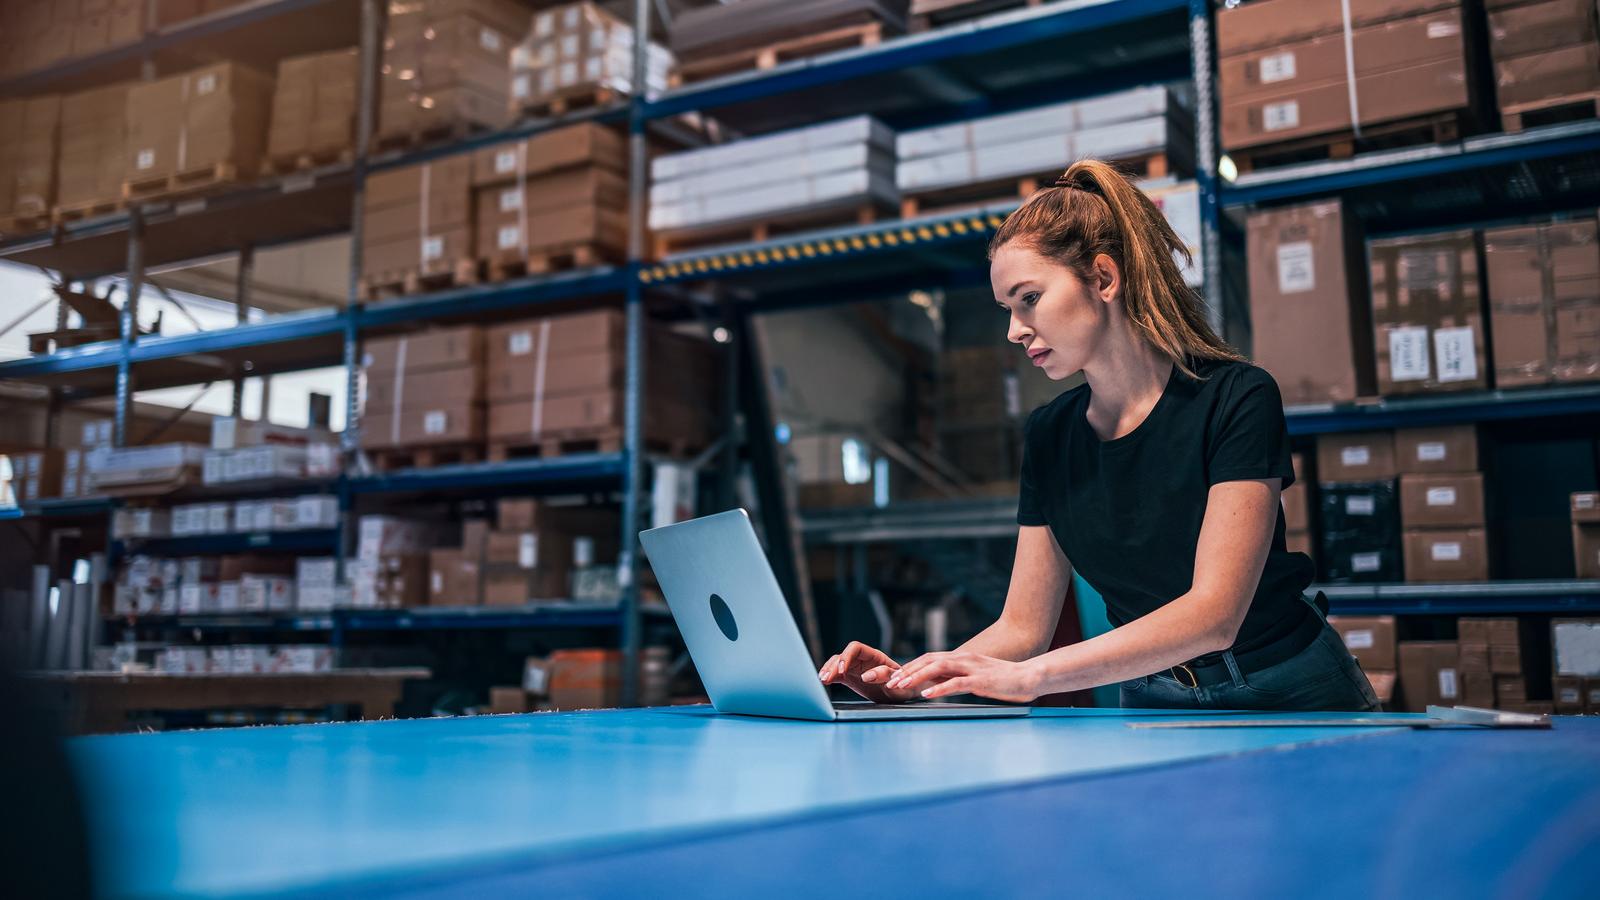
<point x="62" y="507"/>
<point x="209" y="544"/>
<point x="1392" y="167"/>
<point x="1477" y="598"/>
<point x="1446" y="409"/>
<point x="1046" y="24"/>
<point x="498" y="297"/>
<point x="579" y="468"/>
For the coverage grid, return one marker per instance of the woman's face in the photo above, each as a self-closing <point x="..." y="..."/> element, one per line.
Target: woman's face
<point x="1057" y="317"/>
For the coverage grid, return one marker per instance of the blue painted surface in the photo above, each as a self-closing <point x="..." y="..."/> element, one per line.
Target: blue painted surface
<point x="328" y="807"/>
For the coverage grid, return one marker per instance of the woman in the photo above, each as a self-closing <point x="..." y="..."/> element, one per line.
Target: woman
<point x="1159" y="479"/>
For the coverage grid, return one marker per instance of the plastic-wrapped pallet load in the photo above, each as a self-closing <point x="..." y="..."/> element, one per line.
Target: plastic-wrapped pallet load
<point x="1427" y="313"/>
<point x="418" y="224"/>
<point x="28" y="129"/>
<point x="1544" y="302"/>
<point x="391" y="565"/>
<point x="210" y="121"/>
<point x="579" y="51"/>
<point x="447" y="64"/>
<point x="314" y="108"/>
<point x="836" y="164"/>
<point x="153" y="469"/>
<point x="93" y="135"/>
<point x="1142" y="121"/>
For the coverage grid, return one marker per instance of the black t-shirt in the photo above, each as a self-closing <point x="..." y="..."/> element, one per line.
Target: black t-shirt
<point x="1127" y="512"/>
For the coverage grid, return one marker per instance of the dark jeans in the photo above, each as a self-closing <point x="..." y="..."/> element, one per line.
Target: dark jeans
<point x="1323" y="676"/>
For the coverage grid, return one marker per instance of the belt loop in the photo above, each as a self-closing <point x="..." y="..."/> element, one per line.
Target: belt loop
<point x="1233" y="668"/>
<point x="1315" y="606"/>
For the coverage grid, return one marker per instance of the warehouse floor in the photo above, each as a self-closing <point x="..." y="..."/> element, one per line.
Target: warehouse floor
<point x="687" y="801"/>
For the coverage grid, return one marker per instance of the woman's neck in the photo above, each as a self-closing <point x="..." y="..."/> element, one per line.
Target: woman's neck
<point x="1126" y="373"/>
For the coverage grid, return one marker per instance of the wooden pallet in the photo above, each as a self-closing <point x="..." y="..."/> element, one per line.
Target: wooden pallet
<point x="25" y="223"/>
<point x="1519" y="117"/>
<point x="1437" y="128"/>
<point x="438" y="277"/>
<point x="669" y="241"/>
<point x="607" y="440"/>
<point x="984" y="193"/>
<point x="767" y="56"/>
<point x="178" y="184"/>
<point x="447" y="133"/>
<point x="425" y="457"/>
<point x="562" y="102"/>
<point x="290" y="163"/>
<point x="545" y="261"/>
<point x="73" y="212"/>
<point x="952" y="13"/>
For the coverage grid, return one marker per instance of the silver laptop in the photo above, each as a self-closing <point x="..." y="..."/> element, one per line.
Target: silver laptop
<point x="740" y="632"/>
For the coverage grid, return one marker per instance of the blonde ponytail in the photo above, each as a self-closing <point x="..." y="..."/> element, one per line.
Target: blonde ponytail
<point x="1093" y="209"/>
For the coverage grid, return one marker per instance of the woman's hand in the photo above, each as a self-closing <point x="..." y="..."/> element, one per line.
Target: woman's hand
<point x="962" y="672"/>
<point x="864" y="670"/>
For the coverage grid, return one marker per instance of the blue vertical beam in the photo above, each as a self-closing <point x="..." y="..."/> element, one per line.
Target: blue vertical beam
<point x="633" y="405"/>
<point x="128" y="322"/>
<point x="1205" y="139"/>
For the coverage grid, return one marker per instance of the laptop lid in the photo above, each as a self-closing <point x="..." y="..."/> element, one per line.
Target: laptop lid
<point x="734" y="619"/>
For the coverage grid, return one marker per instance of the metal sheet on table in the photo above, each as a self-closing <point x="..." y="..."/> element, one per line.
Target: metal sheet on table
<point x="267" y="809"/>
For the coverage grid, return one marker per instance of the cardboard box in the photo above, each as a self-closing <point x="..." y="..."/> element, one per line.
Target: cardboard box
<point x="28" y="150"/>
<point x="1311" y="325"/>
<point x="1537" y="27"/>
<point x="579" y="146"/>
<point x="421" y="426"/>
<point x="457" y="386"/>
<point x="1586" y="549"/>
<point x="1428" y="675"/>
<point x="1575" y="647"/>
<point x="1360" y="532"/>
<point x="433" y="349"/>
<point x="1591" y="696"/>
<point x="210" y="116"/>
<point x="1510" y="691"/>
<point x="1567" y="692"/>
<point x="1427" y="314"/>
<point x="1586" y="506"/>
<point x="314" y="105"/>
<point x="454" y="578"/>
<point x="1271" y="23"/>
<point x="1370" y="639"/>
<point x="1547" y="74"/>
<point x="1357" y="457"/>
<point x="417" y="218"/>
<point x="1489" y="632"/>
<point x="447" y="63"/>
<point x="509" y="701"/>
<point x="1447" y="555"/>
<point x="585" y="207"/>
<point x="585" y="679"/>
<point x="1429" y="451"/>
<point x="1441" y="501"/>
<point x="518" y="587"/>
<point x="1544" y="302"/>
<point x="579" y="50"/>
<point x="1296" y="90"/>
<point x="93" y="135"/>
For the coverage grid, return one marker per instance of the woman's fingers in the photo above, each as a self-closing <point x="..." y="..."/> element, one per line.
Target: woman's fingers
<point x="826" y="673"/>
<point x="949" y="688"/>
<point x="940" y="668"/>
<point x="877" y="674"/>
<point x="910" y="669"/>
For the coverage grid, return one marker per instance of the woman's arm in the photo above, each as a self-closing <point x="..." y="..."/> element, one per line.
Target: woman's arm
<point x="1039" y="577"/>
<point x="1235" y="537"/>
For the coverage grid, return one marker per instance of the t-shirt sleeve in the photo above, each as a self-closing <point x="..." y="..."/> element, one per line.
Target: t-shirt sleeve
<point x="1030" y="508"/>
<point x="1249" y="438"/>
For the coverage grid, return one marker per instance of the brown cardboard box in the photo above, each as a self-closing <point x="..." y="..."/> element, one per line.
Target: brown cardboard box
<point x="585" y="679"/>
<point x="1586" y="506"/>
<point x="235" y="566"/>
<point x="1546" y="74"/>
<point x="1510" y="691"/>
<point x="577" y="146"/>
<point x="1270" y="23"/>
<point x="454" y="579"/>
<point x="93" y="135"/>
<point x="509" y="701"/>
<point x="447" y="64"/>
<point x="1489" y="632"/>
<point x="1568" y="694"/>
<point x="1441" y="501"/>
<point x="517" y="235"/>
<point x="1537" y="27"/>
<point x="1477" y="688"/>
<point x="1447" y="555"/>
<point x="452" y="386"/>
<point x="1356" y="457"/>
<point x="1544" y="302"/>
<point x="442" y="250"/>
<point x="1591" y="696"/>
<point x="1586" y="549"/>
<point x="1311" y="330"/>
<point x="28" y="154"/>
<point x="519" y="587"/>
<point x="38" y="474"/>
<point x="126" y="22"/>
<point x="314" y="106"/>
<point x="1429" y="451"/>
<point x="417" y="218"/>
<point x="1370" y="639"/>
<point x="432" y="349"/>
<point x="422" y="426"/>
<point x="1428" y="675"/>
<point x="1427" y="313"/>
<point x="210" y="116"/>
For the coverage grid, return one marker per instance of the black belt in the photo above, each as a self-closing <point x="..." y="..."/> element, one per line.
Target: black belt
<point x="1212" y="669"/>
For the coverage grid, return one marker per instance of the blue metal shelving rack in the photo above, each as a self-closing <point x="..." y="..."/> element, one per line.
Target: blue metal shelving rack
<point x="943" y="75"/>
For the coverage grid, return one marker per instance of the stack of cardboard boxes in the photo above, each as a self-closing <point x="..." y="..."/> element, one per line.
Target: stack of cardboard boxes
<point x="423" y="390"/>
<point x="1491" y="663"/>
<point x="530" y="557"/>
<point x="1372" y="641"/>
<point x="1310" y="323"/>
<point x="1293" y="69"/>
<point x="1575" y="661"/>
<point x="577" y="51"/>
<point x="721" y="38"/>
<point x="551" y="194"/>
<point x="417" y="223"/>
<point x="1544" y="301"/>
<point x="39" y="33"/>
<point x="211" y="119"/>
<point x="37" y="474"/>
<point x="94" y="133"/>
<point x="1429" y="675"/>
<point x="29" y="131"/>
<point x="1586" y="533"/>
<point x="583" y="679"/>
<point x="447" y="65"/>
<point x="560" y="378"/>
<point x="314" y="108"/>
<point x="1442" y="504"/>
<point x="1427" y="313"/>
<point x="391" y="564"/>
<point x="1544" y="53"/>
<point x="1359" y="514"/>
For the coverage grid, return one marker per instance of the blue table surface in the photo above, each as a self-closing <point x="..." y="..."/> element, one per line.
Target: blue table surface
<point x="591" y="803"/>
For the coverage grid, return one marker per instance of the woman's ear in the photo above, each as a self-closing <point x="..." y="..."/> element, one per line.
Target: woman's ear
<point x="1107" y="278"/>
